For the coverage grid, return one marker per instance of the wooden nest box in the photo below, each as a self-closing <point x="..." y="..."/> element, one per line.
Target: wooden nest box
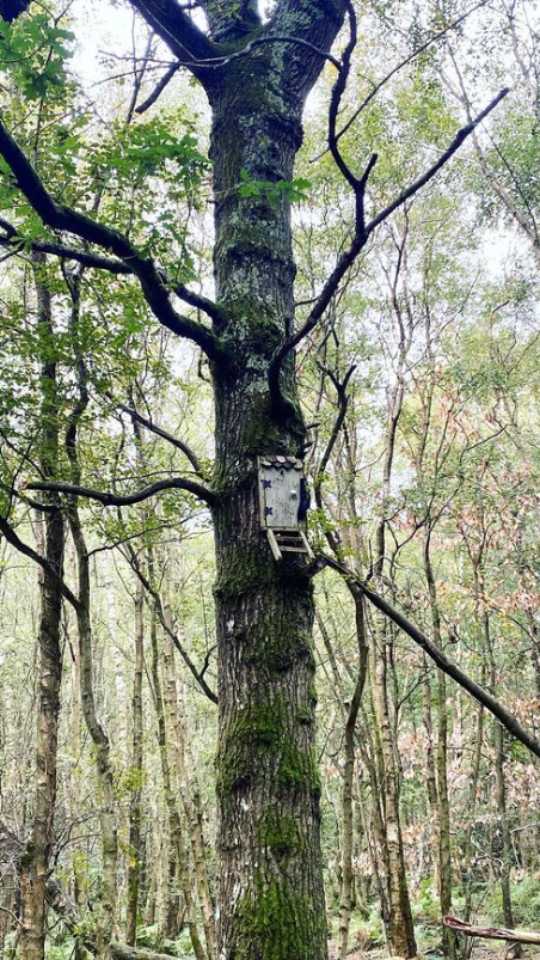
<point x="284" y="502"/>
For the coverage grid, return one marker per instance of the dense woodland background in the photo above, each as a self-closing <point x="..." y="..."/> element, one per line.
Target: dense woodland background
<point x="421" y="391"/>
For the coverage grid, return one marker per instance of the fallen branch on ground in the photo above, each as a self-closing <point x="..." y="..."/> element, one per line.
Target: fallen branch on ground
<point x="491" y="933"/>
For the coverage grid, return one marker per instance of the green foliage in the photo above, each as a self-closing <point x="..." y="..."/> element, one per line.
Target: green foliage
<point x="427" y="904"/>
<point x="525" y="903"/>
<point x="35" y="50"/>
<point x="138" y="169"/>
<point x="367" y="932"/>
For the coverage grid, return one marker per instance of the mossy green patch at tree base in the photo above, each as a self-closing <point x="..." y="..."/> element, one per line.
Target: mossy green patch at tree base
<point x="274" y="922"/>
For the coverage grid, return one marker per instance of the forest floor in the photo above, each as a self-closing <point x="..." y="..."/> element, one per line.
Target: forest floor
<point x="481" y="951"/>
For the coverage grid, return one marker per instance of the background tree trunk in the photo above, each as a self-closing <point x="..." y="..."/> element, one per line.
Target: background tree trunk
<point x="135" y="811"/>
<point x="35" y="858"/>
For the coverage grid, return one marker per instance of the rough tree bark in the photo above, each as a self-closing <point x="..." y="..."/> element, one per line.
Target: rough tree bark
<point x="268" y="782"/>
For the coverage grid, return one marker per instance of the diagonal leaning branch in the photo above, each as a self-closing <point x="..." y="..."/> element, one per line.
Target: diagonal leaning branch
<point x="475" y="690"/>
<point x="158" y="603"/>
<point x="60" y="217"/>
<point x="176" y="28"/>
<point x="164" y="434"/>
<point x="14" y="540"/>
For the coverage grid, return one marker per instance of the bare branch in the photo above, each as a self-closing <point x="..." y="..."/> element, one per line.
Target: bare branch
<point x="160" y="86"/>
<point x="160" y="432"/>
<point x="404" y="63"/>
<point x="109" y="499"/>
<point x="457" y="142"/>
<point x="343" y="402"/>
<point x="362" y="233"/>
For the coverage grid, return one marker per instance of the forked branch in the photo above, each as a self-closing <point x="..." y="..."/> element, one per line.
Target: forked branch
<point x="363" y="231"/>
<point x="164" y="434"/>
<point x="14" y="239"/>
<point x="14" y="540"/>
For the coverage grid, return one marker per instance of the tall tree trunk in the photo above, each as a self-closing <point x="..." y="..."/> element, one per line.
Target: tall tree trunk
<point x="450" y="943"/>
<point x="175" y="823"/>
<point x="135" y="811"/>
<point x="400" y="922"/>
<point x="35" y="858"/>
<point x="468" y="850"/>
<point x="400" y="927"/>
<point x="190" y="797"/>
<point x="431" y="776"/>
<point x="348" y="778"/>
<point x="268" y="781"/>
<point x="514" y="949"/>
<point x="98" y="734"/>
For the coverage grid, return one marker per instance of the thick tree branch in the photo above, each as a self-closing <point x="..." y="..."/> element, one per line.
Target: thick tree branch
<point x="160" y="86"/>
<point x="109" y="499"/>
<point x="338" y="90"/>
<point x="60" y="217"/>
<point x="508" y="720"/>
<point x="13" y="238"/>
<point x="196" y="300"/>
<point x="330" y="288"/>
<point x="15" y="541"/>
<point x="117" y="267"/>
<point x="177" y="30"/>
